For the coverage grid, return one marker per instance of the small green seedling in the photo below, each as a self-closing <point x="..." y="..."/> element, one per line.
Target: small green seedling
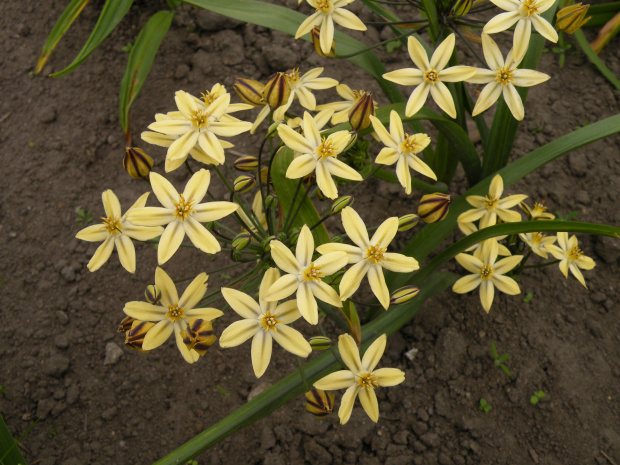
<point x="31" y="144"/>
<point x="529" y="296"/>
<point x="2" y="389"/>
<point x="222" y="391"/>
<point x="192" y="462"/>
<point x="500" y="361"/>
<point x="536" y="397"/>
<point x="52" y="431"/>
<point x="83" y="216"/>
<point x="568" y="217"/>
<point x="484" y="406"/>
<point x="127" y="48"/>
<point x="392" y="46"/>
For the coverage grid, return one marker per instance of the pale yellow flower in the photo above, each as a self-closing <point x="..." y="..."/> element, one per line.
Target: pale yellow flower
<point x="117" y="231"/>
<point x="487" y="209"/>
<point x="318" y="153"/>
<point x="402" y="149"/>
<point x="172" y="314"/>
<point x="361" y="379"/>
<point x="300" y="89"/>
<point x="571" y="257"/>
<point x="328" y="12"/>
<point x="501" y="79"/>
<point x="430" y="76"/>
<point x="526" y="13"/>
<point x="487" y="273"/>
<point x="536" y="213"/>
<point x="538" y="242"/>
<point x="342" y="109"/>
<point x="304" y="275"/>
<point x="257" y="209"/>
<point x="369" y="256"/>
<point x="263" y="322"/>
<point x="183" y="213"/>
<point x="199" y="126"/>
<point x="470" y="228"/>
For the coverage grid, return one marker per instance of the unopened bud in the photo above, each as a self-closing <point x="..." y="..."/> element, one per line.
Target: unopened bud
<point x="571" y="18"/>
<point x="211" y="225"/>
<point x="360" y="113"/>
<point x="248" y="163"/>
<point x="198" y="335"/>
<point x="272" y="131"/>
<point x="461" y="7"/>
<point x="434" y="207"/>
<point x="271" y="201"/>
<point x="403" y="295"/>
<point x="341" y="203"/>
<point x="244" y="183"/>
<point x="319" y="403"/>
<point x="125" y="324"/>
<point x="152" y="294"/>
<point x="137" y="163"/>
<point x="241" y="241"/>
<point x="235" y="255"/>
<point x="250" y="91"/>
<point x="316" y="41"/>
<point x="320" y="343"/>
<point x="405" y="223"/>
<point x="134" y="338"/>
<point x="266" y="244"/>
<point x="277" y="91"/>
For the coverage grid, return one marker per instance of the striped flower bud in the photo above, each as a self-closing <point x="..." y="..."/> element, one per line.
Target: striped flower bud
<point x="134" y="338"/>
<point x="360" y="113"/>
<point x="320" y="343"/>
<point x="571" y="18"/>
<point x="403" y="295"/>
<point x="235" y="255"/>
<point x="241" y="241"/>
<point x="319" y="403"/>
<point x="315" y="34"/>
<point x="244" y="183"/>
<point x="434" y="207"/>
<point x="461" y="8"/>
<point x="405" y="223"/>
<point x="137" y="163"/>
<point x="199" y="335"/>
<point x="271" y="201"/>
<point x="152" y="294"/>
<point x="277" y="91"/>
<point x="250" y="91"/>
<point x="340" y="203"/>
<point x="248" y="163"/>
<point x="266" y="243"/>
<point x="125" y="324"/>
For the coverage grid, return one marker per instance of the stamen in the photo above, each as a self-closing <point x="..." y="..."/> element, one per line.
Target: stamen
<point x="432" y="76"/>
<point x="504" y="76"/>
<point x="410" y="144"/>
<point x="200" y="118"/>
<point x="490" y="202"/>
<point x="112" y="225"/>
<point x="326" y="149"/>
<point x="486" y="271"/>
<point x="367" y="381"/>
<point x="175" y="312"/>
<point x="375" y="253"/>
<point x="312" y="273"/>
<point x="269" y="321"/>
<point x="529" y="7"/>
<point x="575" y="253"/>
<point x="183" y="209"/>
<point x="323" y="5"/>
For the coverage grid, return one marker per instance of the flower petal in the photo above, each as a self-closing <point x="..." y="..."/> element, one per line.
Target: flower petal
<point x="305" y="247"/>
<point x="111" y="205"/>
<point x="336" y="380"/>
<point x="385" y="233"/>
<point x="403" y="174"/>
<point x="157" y="335"/>
<point x="378" y="286"/>
<point x="347" y="402"/>
<point x="488" y="96"/>
<point x="94" y="233"/>
<point x="350" y="353"/>
<point x="544" y="28"/>
<point x="102" y="254"/>
<point x="163" y="190"/>
<point x="417" y="99"/>
<point x="442" y="53"/>
<point x="374" y="353"/>
<point x="443" y="98"/>
<point x="492" y="54"/>
<point x="180" y="148"/>
<point x="405" y="77"/>
<point x="528" y="77"/>
<point x="331" y="262"/>
<point x="352" y="279"/>
<point x="284" y="258"/>
<point x="287" y="311"/>
<point x="521" y="39"/>
<point x="301" y="166"/>
<point x="418" y="53"/>
<point x="307" y="304"/>
<point x="213" y="211"/>
<point x="294" y="140"/>
<point x="467" y="283"/>
<point x="501" y="22"/>
<point x="387" y="377"/>
<point x="239" y="332"/>
<point x="196" y="187"/>
<point x="399" y="263"/>
<point x="469" y="262"/>
<point x="126" y="252"/>
<point x="269" y="278"/>
<point x="487" y="290"/>
<point x="200" y="236"/>
<point x="505" y="284"/>
<point x="355" y="228"/>
<point x="368" y="398"/>
<point x="261" y="352"/>
<point x="347" y="19"/>
<point x="326" y="293"/>
<point x="342" y="170"/>
<point x="325" y="181"/>
<point x="383" y="134"/>
<point x="291" y="340"/>
<point x="190" y="356"/>
<point x="165" y="284"/>
<point x="144" y="311"/>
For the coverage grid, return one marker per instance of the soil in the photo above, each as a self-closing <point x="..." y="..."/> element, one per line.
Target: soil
<point x="62" y="146"/>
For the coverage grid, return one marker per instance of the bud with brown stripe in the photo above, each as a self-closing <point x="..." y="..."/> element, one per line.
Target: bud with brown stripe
<point x="199" y="335"/>
<point x="250" y="91"/>
<point x="315" y="34"/>
<point x="248" y="163"/>
<point x="134" y="338"/>
<point x="360" y="113"/>
<point x="277" y="91"/>
<point x="319" y="403"/>
<point x="137" y="163"/>
<point x="434" y="207"/>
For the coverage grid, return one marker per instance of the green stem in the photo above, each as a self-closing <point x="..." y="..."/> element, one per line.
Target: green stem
<point x="303" y="376"/>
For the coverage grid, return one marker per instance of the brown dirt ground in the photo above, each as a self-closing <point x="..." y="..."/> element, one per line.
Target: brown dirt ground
<point x="62" y="146"/>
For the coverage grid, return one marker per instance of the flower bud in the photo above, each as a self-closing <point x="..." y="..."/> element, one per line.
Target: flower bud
<point x="277" y="91"/>
<point x="281" y="236"/>
<point x="248" y="163"/>
<point x="235" y="255"/>
<point x="266" y="244"/>
<point x="250" y="91"/>
<point x="315" y="34"/>
<point x="360" y="113"/>
<point x="137" y="163"/>
<point x="199" y="335"/>
<point x="241" y="241"/>
<point x="403" y="295"/>
<point x="294" y="235"/>
<point x="461" y="7"/>
<point x="319" y="403"/>
<point x="320" y="343"/>
<point x="271" y="201"/>
<point x="351" y="143"/>
<point x="434" y="207"/>
<point x="337" y="239"/>
<point x="272" y="131"/>
<point x="405" y="223"/>
<point x="211" y="225"/>
<point x="341" y="203"/>
<point x="571" y="18"/>
<point x="152" y="294"/>
<point x="244" y="183"/>
<point x="134" y="338"/>
<point x="125" y="324"/>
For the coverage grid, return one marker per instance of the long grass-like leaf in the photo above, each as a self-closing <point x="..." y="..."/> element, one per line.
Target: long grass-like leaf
<point x="595" y="60"/>
<point x="111" y="14"/>
<point x="140" y="60"/>
<point x="607" y="33"/>
<point x="9" y="448"/>
<point x="60" y="28"/>
<point x="601" y="14"/>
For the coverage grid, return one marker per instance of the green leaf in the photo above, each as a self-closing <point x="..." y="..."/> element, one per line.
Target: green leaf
<point x="140" y="60"/>
<point x="60" y="28"/>
<point x="285" y="190"/>
<point x="290" y="387"/>
<point x="601" y="14"/>
<point x="595" y="60"/>
<point x="111" y="14"/>
<point x="11" y="455"/>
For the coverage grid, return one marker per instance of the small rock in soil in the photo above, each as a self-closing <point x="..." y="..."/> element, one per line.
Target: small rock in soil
<point x="44" y="407"/>
<point x="258" y="389"/>
<point x="451" y="350"/>
<point x="430" y="439"/>
<point x="578" y="164"/>
<point x="58" y="409"/>
<point x="583" y="197"/>
<point x="402" y="460"/>
<point x="279" y="58"/>
<point x="68" y="273"/>
<point x="311" y="425"/>
<point x="598" y="297"/>
<point x="61" y="341"/>
<point x="608" y="248"/>
<point x="316" y="453"/>
<point x="112" y="353"/>
<point x="108" y="414"/>
<point x="273" y="458"/>
<point x="181" y="71"/>
<point x="47" y="115"/>
<point x="595" y="328"/>
<point x="201" y="61"/>
<point x="56" y="366"/>
<point x="267" y="438"/>
<point x="72" y="394"/>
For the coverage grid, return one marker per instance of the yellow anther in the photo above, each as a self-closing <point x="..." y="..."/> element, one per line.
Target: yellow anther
<point x="112" y="225"/>
<point x="375" y="253"/>
<point x="367" y="381"/>
<point x="432" y="76"/>
<point x="269" y="321"/>
<point x="175" y="312"/>
<point x="504" y="76"/>
<point x="183" y="208"/>
<point x="486" y="271"/>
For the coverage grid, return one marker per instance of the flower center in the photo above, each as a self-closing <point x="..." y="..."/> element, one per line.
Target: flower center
<point x="112" y="225"/>
<point x="210" y="97"/>
<point x="504" y="76"/>
<point x="537" y="238"/>
<point x="529" y="7"/>
<point x="312" y="273"/>
<point x="486" y="271"/>
<point x="375" y="253"/>
<point x="293" y="77"/>
<point x="175" y="312"/>
<point x="538" y="209"/>
<point x="326" y="149"/>
<point x="432" y="76"/>
<point x="323" y="5"/>
<point x="410" y="144"/>
<point x="269" y="321"/>
<point x="200" y="118"/>
<point x="575" y="253"/>
<point x="183" y="208"/>
<point x="367" y="381"/>
<point x="490" y="202"/>
<point x="359" y="94"/>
